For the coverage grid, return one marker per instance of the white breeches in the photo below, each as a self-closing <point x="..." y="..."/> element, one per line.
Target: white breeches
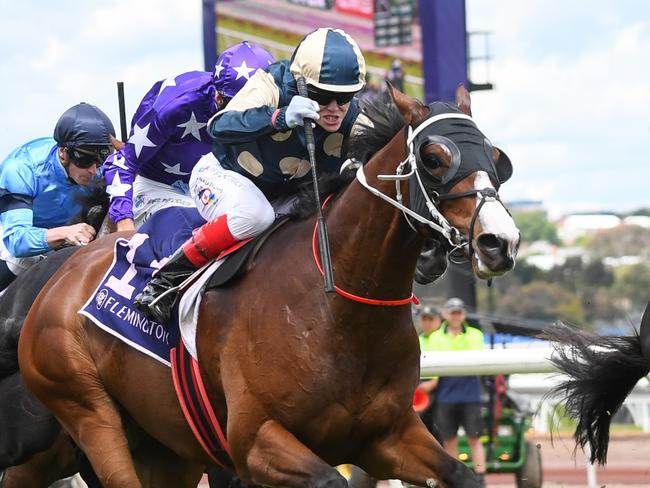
<point x="17" y="265"/>
<point x="150" y="196"/>
<point x="217" y="191"/>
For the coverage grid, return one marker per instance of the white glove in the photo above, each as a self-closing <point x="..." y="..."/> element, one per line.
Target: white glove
<point x="301" y="108"/>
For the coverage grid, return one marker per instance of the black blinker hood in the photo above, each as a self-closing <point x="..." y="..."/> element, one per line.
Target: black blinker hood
<point x="475" y="149"/>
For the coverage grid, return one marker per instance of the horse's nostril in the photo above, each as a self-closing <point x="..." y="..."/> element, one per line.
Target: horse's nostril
<point x="490" y="244"/>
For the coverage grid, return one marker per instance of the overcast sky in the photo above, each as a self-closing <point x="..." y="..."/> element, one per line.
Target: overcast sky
<point x="571" y="104"/>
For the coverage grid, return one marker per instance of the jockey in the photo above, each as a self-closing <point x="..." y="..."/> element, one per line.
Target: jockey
<point x="260" y="154"/>
<point x="168" y="136"/>
<point x="39" y="187"/>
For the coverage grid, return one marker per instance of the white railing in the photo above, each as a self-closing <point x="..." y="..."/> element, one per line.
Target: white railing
<point x="487" y="362"/>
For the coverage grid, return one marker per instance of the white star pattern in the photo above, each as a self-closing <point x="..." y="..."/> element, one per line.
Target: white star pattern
<point x="243" y="71"/>
<point x="117" y="188"/>
<point x="120" y="161"/>
<point x="174" y="169"/>
<point x="139" y="139"/>
<point x="171" y="81"/>
<point x="218" y="69"/>
<point x="192" y="126"/>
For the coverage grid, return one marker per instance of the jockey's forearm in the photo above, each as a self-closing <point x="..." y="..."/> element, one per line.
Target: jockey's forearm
<point x="56" y="237"/>
<point x="20" y="236"/>
<point x="237" y="127"/>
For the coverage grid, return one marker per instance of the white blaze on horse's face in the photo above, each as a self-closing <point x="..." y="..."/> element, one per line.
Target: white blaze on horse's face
<point x="496" y="237"/>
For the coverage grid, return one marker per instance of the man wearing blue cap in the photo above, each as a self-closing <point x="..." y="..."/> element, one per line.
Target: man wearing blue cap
<point x="168" y="135"/>
<point x="259" y="154"/>
<point x="40" y="185"/>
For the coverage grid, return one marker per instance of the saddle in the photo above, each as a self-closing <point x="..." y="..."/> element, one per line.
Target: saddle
<point x="240" y="258"/>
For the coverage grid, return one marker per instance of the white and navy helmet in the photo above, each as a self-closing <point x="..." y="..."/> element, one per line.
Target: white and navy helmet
<point x="329" y="60"/>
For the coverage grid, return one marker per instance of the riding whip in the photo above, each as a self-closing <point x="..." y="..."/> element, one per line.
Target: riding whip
<point x="323" y="238"/>
<point x="122" y="107"/>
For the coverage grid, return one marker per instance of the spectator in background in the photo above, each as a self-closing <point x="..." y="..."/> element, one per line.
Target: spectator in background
<point x="372" y="91"/>
<point x="459" y="397"/>
<point x="396" y="75"/>
<point x="430" y="321"/>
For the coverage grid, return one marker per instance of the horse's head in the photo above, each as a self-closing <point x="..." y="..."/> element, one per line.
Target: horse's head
<point x="456" y="180"/>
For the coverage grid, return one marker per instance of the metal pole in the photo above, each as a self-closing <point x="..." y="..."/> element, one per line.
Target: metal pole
<point x="122" y="107"/>
<point x="209" y="34"/>
<point x="592" y="481"/>
<point x="323" y="238"/>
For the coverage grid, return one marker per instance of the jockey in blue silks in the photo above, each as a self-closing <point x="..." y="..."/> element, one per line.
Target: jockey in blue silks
<point x="168" y="136"/>
<point x="40" y="183"/>
<point x="259" y="154"/>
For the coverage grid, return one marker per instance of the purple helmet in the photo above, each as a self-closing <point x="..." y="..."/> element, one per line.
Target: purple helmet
<point x="237" y="64"/>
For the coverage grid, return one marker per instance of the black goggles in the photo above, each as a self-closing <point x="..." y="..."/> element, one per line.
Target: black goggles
<point x="85" y="158"/>
<point x="325" y="98"/>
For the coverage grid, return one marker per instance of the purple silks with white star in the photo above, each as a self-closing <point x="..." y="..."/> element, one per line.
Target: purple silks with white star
<point x="237" y="64"/>
<point x="167" y="138"/>
<point x="168" y="131"/>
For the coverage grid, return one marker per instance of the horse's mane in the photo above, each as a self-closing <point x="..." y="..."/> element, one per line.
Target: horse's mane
<point x="377" y="124"/>
<point x="94" y="205"/>
<point x="305" y="204"/>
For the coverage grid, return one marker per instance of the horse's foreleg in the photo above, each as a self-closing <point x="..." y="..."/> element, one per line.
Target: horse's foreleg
<point x="277" y="458"/>
<point x="70" y="387"/>
<point x="96" y="426"/>
<point x="413" y="455"/>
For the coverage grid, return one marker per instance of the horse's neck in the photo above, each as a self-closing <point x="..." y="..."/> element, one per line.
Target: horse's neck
<point x="373" y="248"/>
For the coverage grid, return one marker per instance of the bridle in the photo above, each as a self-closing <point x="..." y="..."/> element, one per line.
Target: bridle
<point x="408" y="169"/>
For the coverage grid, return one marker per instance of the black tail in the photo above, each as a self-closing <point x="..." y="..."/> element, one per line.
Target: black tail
<point x="602" y="372"/>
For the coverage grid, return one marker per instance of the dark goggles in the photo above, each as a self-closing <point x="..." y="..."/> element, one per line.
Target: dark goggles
<point x="85" y="158"/>
<point x="322" y="97"/>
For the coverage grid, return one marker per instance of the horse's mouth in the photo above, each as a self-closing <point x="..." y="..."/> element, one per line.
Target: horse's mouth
<point x="485" y="272"/>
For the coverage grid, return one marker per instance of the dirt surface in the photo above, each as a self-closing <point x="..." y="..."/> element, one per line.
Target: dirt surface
<point x="628" y="463"/>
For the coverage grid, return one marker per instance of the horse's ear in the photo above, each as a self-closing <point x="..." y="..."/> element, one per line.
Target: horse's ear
<point x="645" y="321"/>
<point x="463" y="100"/>
<point x="502" y="164"/>
<point x="412" y="110"/>
<point x="117" y="144"/>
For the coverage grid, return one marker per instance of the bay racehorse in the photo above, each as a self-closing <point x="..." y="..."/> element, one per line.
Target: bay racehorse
<point x="302" y="380"/>
<point x="602" y="372"/>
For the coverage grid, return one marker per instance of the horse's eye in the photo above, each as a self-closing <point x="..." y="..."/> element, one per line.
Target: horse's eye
<point x="430" y="159"/>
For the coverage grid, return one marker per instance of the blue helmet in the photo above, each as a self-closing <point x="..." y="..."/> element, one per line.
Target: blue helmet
<point x="330" y="60"/>
<point x="83" y="125"/>
<point x="237" y="64"/>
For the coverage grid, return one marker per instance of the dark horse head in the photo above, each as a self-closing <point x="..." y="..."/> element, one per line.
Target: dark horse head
<point x="454" y="173"/>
